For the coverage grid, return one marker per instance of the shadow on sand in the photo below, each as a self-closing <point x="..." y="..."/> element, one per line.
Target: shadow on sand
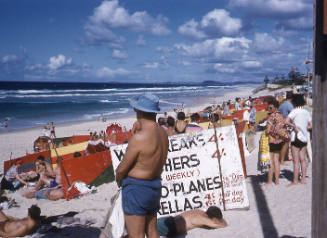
<point x="288" y="174"/>
<point x="267" y="225"/>
<point x="47" y="230"/>
<point x="73" y="232"/>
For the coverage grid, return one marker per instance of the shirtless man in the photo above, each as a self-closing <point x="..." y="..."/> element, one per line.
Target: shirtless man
<point x="52" y="130"/>
<point x="14" y="227"/>
<point x="139" y="172"/>
<point x="51" y="182"/>
<point x="48" y="167"/>
<point x="179" y="225"/>
<point x="54" y="192"/>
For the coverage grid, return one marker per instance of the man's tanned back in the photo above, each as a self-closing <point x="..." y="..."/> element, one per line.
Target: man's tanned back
<point x="152" y="143"/>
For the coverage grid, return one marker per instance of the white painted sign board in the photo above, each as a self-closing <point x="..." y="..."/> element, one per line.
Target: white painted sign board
<point x="191" y="178"/>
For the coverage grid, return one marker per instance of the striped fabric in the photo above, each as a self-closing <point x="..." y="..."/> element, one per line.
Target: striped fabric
<point x="193" y="127"/>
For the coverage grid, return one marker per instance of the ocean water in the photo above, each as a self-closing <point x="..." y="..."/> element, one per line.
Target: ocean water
<point x="32" y="104"/>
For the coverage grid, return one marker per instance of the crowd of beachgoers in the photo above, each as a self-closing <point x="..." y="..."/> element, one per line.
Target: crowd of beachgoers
<point x="280" y="122"/>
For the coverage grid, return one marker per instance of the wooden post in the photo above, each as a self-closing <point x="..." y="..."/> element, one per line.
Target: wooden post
<point x="319" y="166"/>
<point x="325" y="18"/>
<point x="239" y="129"/>
<point x="219" y="164"/>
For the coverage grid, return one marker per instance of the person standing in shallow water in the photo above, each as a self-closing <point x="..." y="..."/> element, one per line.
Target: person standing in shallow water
<point x="140" y="170"/>
<point x="5" y="124"/>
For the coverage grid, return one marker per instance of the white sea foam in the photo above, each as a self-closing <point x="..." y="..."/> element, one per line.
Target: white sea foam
<point x="107" y="101"/>
<point x="119" y="111"/>
<point x="160" y="89"/>
<point x="60" y="91"/>
<point x="172" y="103"/>
<point x="31" y="91"/>
<point x="58" y="95"/>
<point x="91" y="116"/>
<point x="105" y="114"/>
<point x="94" y="92"/>
<point x="40" y="123"/>
<point x="41" y="91"/>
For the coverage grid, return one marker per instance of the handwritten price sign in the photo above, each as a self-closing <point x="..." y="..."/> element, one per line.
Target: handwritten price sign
<point x="191" y="178"/>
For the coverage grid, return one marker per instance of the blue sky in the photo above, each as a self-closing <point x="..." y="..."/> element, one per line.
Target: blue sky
<point x="153" y="40"/>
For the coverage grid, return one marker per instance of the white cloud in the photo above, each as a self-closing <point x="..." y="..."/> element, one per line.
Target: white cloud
<point x="305" y="23"/>
<point x="185" y="63"/>
<point x="111" y="15"/>
<point x="58" y="62"/>
<point x="192" y="30"/>
<point x="223" y="68"/>
<point x="106" y="72"/>
<point x="34" y="67"/>
<point x="140" y="41"/>
<point x="12" y="64"/>
<point x="152" y="65"/>
<point x="9" y="58"/>
<point x="219" y="20"/>
<point x="99" y="34"/>
<point x="164" y="49"/>
<point x="263" y="42"/>
<point x="274" y="8"/>
<point x="117" y="54"/>
<point x="215" y="23"/>
<point x="251" y="64"/>
<point x="218" y="48"/>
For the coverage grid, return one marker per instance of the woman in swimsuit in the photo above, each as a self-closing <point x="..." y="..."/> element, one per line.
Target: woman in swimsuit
<point x="301" y="122"/>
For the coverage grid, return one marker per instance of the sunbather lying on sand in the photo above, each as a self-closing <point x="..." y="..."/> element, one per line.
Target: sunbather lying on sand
<point x="54" y="190"/>
<point x="179" y="225"/>
<point x="15" y="227"/>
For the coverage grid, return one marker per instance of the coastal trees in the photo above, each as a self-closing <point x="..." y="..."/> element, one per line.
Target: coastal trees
<point x="276" y="79"/>
<point x="266" y="80"/>
<point x="295" y="77"/>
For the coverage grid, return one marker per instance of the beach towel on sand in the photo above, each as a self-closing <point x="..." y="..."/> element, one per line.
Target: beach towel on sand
<point x="264" y="156"/>
<point x="114" y="226"/>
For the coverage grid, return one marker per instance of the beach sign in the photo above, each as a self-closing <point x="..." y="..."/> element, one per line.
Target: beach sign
<point x="191" y="178"/>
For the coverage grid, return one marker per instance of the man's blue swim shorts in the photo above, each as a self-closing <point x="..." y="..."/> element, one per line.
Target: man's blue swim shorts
<point x="141" y="197"/>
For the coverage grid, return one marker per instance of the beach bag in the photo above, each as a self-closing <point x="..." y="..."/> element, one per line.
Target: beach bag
<point x="264" y="156"/>
<point x="77" y="189"/>
<point x="283" y="134"/>
<point x="114" y="226"/>
<point x="301" y="137"/>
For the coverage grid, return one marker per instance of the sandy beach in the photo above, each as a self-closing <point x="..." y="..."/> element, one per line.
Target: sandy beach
<point x="277" y="211"/>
